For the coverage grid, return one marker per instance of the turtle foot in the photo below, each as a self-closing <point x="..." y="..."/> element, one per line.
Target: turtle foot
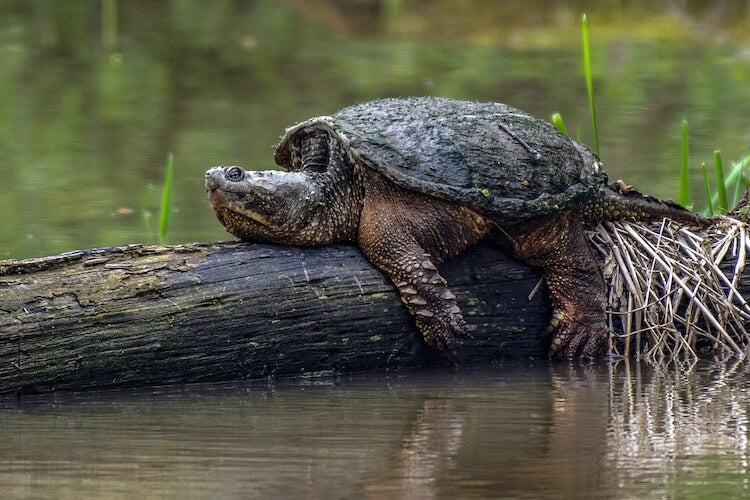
<point x="444" y="330"/>
<point x="578" y="340"/>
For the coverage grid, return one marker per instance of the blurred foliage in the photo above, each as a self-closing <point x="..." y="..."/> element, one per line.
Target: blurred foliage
<point x="85" y="127"/>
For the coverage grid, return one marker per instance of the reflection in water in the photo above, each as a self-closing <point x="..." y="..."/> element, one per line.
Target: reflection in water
<point x="81" y="122"/>
<point x="689" y="427"/>
<point x="427" y="452"/>
<point x="543" y="431"/>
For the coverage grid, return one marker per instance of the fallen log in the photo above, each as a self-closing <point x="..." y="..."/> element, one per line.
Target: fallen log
<point x="145" y="315"/>
<point x="137" y="315"/>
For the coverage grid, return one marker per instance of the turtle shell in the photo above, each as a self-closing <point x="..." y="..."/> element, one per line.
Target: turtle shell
<point x="489" y="156"/>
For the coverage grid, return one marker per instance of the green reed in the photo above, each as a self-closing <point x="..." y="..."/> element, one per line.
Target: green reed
<point x="716" y="200"/>
<point x="707" y="190"/>
<point x="589" y="79"/>
<point x="721" y="187"/>
<point x="741" y="181"/>
<point x="685" y="197"/>
<point x="559" y="123"/>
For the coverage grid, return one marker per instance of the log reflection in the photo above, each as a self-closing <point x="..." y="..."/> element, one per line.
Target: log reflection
<point x="602" y="429"/>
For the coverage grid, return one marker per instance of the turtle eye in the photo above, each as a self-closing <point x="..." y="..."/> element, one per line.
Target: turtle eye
<point x="234" y="174"/>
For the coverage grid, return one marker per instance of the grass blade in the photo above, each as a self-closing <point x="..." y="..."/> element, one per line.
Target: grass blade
<point x="589" y="79"/>
<point x="734" y="175"/>
<point x="737" y="173"/>
<point x="559" y="123"/>
<point x="721" y="187"/>
<point x="740" y="170"/>
<point x="707" y="186"/>
<point x="737" y="187"/>
<point x="685" y="199"/>
<point x="166" y="199"/>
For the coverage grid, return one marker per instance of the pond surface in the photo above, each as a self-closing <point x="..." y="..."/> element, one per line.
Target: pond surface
<point x="90" y="109"/>
<point x="534" y="431"/>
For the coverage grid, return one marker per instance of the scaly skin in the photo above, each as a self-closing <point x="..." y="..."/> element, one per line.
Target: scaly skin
<point x="406" y="235"/>
<point x="328" y="197"/>
<point x="558" y="245"/>
<point x="611" y="203"/>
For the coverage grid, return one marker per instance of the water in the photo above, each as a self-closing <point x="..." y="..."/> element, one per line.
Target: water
<point x="86" y="129"/>
<point x="535" y="431"/>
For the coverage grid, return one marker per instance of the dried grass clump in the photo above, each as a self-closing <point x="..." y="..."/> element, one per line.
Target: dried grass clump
<point x="673" y="291"/>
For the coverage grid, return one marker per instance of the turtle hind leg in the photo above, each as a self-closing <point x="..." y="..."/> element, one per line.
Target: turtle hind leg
<point x="558" y="245"/>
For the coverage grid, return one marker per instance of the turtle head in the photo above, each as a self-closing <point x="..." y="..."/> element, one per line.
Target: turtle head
<point x="318" y="201"/>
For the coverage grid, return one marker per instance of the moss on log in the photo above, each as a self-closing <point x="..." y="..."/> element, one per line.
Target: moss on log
<point x="138" y="315"/>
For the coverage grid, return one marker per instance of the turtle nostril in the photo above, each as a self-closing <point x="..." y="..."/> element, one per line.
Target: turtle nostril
<point x="234" y="174"/>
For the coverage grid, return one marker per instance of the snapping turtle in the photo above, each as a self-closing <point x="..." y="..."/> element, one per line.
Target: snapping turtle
<point x="415" y="181"/>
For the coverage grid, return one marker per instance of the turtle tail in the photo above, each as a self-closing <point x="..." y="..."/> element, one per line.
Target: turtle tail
<point x="618" y="201"/>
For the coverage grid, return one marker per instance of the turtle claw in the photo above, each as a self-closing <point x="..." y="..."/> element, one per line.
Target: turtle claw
<point x="444" y="331"/>
<point x="578" y="340"/>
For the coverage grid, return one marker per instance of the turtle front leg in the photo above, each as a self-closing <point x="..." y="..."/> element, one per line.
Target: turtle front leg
<point x="429" y="301"/>
<point x="425" y="293"/>
<point x="406" y="234"/>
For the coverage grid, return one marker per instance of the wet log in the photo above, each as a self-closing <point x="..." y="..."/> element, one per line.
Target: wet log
<point x="138" y="315"/>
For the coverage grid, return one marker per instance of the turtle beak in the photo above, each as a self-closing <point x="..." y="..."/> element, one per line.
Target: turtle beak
<point x="253" y="194"/>
<point x="226" y="178"/>
<point x="214" y="176"/>
<point x="225" y="184"/>
<point x="215" y="186"/>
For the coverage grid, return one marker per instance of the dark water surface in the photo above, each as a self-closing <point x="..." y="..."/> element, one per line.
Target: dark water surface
<point x="88" y="114"/>
<point x="544" y="431"/>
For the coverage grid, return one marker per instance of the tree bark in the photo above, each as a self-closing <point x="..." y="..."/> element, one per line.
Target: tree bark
<point x="138" y="315"/>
